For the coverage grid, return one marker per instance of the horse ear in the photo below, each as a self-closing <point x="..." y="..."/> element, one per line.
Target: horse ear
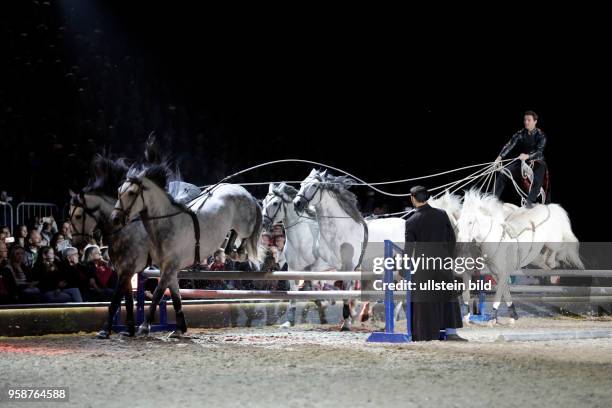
<point x="271" y="188"/>
<point x="72" y="193"/>
<point x="313" y="172"/>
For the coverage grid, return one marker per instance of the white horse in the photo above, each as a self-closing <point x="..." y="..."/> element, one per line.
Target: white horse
<point x="301" y="232"/>
<point x="180" y="236"/>
<point x="343" y="233"/>
<point x="511" y="239"/>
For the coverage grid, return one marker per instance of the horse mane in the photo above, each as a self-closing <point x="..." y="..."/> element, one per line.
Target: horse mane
<point x="107" y="173"/>
<point x="448" y="202"/>
<point x="159" y="173"/>
<point x="291" y="192"/>
<point x="284" y="188"/>
<point x="338" y="186"/>
<point x="474" y="200"/>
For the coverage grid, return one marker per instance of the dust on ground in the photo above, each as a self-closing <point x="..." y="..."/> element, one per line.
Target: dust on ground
<point x="313" y="365"/>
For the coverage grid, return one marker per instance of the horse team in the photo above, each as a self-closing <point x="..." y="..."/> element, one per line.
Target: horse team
<point x="143" y="223"/>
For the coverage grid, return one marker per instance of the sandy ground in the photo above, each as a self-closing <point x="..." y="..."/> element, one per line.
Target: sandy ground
<point x="311" y="366"/>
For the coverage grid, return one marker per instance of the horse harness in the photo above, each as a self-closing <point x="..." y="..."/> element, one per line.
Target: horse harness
<point x="506" y="231"/>
<point x="81" y="202"/>
<point x="145" y="216"/>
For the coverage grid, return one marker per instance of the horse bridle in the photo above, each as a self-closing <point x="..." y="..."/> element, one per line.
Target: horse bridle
<point x="273" y="217"/>
<point x="145" y="217"/>
<point x="124" y="211"/>
<point x="316" y="190"/>
<point x="81" y="202"/>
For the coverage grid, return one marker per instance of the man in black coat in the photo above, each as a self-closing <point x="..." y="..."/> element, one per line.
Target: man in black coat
<point x="430" y="235"/>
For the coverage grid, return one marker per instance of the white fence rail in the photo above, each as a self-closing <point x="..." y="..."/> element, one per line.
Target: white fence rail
<point x="6" y="216"/>
<point x="27" y="210"/>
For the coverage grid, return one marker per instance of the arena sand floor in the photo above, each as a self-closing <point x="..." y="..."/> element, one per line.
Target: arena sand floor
<point x="312" y="366"/>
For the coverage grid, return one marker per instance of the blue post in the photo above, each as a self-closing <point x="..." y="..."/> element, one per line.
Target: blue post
<point x="482" y="316"/>
<point x="140" y="300"/>
<point x="389" y="303"/>
<point x="409" y="305"/>
<point x="388" y="336"/>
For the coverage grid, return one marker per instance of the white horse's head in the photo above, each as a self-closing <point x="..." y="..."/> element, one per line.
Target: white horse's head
<point x="134" y="195"/>
<point x="310" y="190"/>
<point x="274" y="204"/>
<point x="480" y="216"/>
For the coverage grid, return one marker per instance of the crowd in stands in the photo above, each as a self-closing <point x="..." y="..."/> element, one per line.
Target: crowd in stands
<point x="39" y="265"/>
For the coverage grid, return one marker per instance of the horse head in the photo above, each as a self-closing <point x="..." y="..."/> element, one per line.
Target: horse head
<point x="480" y="216"/>
<point x="310" y="190"/>
<point x="133" y="194"/>
<point x="274" y="204"/>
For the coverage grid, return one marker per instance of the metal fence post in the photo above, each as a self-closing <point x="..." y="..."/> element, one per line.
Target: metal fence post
<point x="388" y="336"/>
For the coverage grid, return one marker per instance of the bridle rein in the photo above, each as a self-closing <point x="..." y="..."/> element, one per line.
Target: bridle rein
<point x="144" y="216"/>
<point x="79" y="201"/>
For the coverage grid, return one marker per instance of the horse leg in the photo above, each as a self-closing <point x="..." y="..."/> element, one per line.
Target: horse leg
<point x="364" y="315"/>
<point x="397" y="310"/>
<point x="346" y="255"/>
<point x="158" y="293"/>
<point x="115" y="304"/>
<point x="321" y="309"/>
<point x="346" y="310"/>
<point x="466" y="297"/>
<point x="498" y="293"/>
<point x="508" y="298"/>
<point x="130" y="323"/>
<point x="292" y="307"/>
<point x="181" y="323"/>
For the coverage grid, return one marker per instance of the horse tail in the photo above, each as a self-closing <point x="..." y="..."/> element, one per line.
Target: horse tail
<point x="570" y="253"/>
<point x="252" y="242"/>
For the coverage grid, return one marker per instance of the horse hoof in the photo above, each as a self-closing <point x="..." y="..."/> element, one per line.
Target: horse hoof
<point x="323" y="321"/>
<point x="143" y="330"/>
<point x="177" y="334"/>
<point x="345" y="328"/>
<point x="466" y="319"/>
<point x="285" y="325"/>
<point x="129" y="333"/>
<point x="491" y="323"/>
<point x="511" y="321"/>
<point x="103" y="335"/>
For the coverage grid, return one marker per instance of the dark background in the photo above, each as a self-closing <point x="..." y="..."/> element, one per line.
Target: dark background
<point x="226" y="90"/>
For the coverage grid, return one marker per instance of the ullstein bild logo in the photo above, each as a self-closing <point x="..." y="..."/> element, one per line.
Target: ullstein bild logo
<point x="402" y="262"/>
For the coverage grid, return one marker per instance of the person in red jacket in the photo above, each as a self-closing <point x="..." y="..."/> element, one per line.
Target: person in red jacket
<point x="101" y="278"/>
